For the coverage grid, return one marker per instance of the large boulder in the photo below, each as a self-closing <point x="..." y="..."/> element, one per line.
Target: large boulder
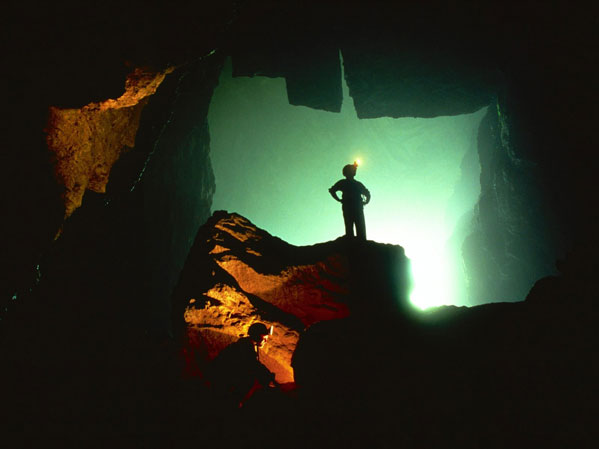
<point x="237" y="274"/>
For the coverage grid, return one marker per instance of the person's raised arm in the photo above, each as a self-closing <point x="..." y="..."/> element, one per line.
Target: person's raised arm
<point x="333" y="191"/>
<point x="366" y="194"/>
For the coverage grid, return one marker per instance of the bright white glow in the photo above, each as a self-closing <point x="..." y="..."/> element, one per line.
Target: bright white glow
<point x="430" y="262"/>
<point x="432" y="283"/>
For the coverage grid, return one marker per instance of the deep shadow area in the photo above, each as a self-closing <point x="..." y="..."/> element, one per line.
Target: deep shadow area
<point x="386" y="375"/>
<point x="496" y="375"/>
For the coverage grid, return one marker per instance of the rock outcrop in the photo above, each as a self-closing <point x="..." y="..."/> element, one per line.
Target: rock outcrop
<point x="383" y="372"/>
<point x="237" y="274"/>
<point x="86" y="142"/>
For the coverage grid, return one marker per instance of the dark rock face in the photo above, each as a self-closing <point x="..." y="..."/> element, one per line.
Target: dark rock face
<point x="80" y="336"/>
<point x="573" y="285"/>
<point x="177" y="185"/>
<point x="66" y="66"/>
<point x="372" y="375"/>
<point x="512" y="243"/>
<point x="401" y="82"/>
<point x="501" y="375"/>
<point x="158" y="194"/>
<point x="312" y="72"/>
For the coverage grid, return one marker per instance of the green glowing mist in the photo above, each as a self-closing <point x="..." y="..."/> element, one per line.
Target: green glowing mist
<point x="274" y="163"/>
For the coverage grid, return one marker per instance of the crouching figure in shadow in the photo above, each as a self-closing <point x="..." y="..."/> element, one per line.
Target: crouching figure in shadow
<point x="237" y="371"/>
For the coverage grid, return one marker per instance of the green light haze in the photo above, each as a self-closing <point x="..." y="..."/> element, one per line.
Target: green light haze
<point x="274" y="163"/>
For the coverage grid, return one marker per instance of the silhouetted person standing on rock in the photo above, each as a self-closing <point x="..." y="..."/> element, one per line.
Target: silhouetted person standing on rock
<point x="354" y="197"/>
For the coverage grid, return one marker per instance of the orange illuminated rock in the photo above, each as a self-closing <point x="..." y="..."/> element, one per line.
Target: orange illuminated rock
<point x="86" y="142"/>
<point x="237" y="274"/>
<point x="226" y="315"/>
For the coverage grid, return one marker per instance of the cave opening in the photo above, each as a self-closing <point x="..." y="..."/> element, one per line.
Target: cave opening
<point x="274" y="162"/>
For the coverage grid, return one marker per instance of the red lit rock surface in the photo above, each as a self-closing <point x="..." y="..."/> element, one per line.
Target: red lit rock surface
<point x="237" y="274"/>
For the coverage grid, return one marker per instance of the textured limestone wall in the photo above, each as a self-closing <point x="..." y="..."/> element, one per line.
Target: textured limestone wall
<point x="237" y="274"/>
<point x="86" y="142"/>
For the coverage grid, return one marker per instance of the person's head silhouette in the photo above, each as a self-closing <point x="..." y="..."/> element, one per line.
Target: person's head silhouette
<point x="258" y="333"/>
<point x="349" y="171"/>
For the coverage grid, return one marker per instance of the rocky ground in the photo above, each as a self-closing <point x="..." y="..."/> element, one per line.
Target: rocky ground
<point x="369" y="370"/>
<point x="360" y="368"/>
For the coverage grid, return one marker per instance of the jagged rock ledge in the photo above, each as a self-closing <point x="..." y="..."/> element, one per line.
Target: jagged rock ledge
<point x="514" y="374"/>
<point x="237" y="274"/>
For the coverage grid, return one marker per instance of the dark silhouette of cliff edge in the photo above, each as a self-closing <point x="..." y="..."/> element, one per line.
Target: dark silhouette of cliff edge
<point x="368" y="370"/>
<point x="237" y="274"/>
<point x="358" y="366"/>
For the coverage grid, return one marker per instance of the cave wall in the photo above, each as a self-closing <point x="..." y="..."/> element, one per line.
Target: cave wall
<point x="539" y="61"/>
<point x="98" y="298"/>
<point x="86" y="142"/>
<point x="72" y="93"/>
<point x="510" y="245"/>
<point x="140" y="216"/>
<point x="178" y="185"/>
<point x="64" y="56"/>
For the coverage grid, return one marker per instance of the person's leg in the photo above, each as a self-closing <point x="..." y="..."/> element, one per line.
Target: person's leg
<point x="349" y="223"/>
<point x="360" y="224"/>
<point x="255" y="387"/>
